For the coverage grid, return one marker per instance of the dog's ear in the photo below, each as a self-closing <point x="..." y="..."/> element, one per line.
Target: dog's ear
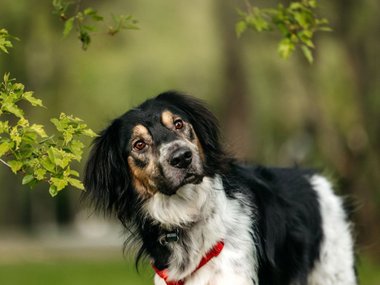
<point x="106" y="174"/>
<point x="203" y="121"/>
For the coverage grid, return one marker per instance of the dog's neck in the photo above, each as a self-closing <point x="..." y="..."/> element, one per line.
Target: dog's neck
<point x="196" y="215"/>
<point x="190" y="205"/>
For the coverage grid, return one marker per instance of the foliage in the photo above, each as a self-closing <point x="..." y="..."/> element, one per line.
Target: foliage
<point x="26" y="148"/>
<point x="297" y="24"/>
<point x="5" y="42"/>
<point x="85" y="21"/>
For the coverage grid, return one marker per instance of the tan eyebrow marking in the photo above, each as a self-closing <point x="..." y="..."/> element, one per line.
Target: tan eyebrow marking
<point x="140" y="131"/>
<point x="167" y="118"/>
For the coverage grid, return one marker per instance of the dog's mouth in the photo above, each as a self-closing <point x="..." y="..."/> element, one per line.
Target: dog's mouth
<point x="190" y="178"/>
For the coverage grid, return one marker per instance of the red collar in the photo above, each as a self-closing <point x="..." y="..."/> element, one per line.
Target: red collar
<point x="214" y="252"/>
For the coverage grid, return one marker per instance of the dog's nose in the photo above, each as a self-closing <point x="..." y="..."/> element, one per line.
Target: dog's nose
<point x="181" y="158"/>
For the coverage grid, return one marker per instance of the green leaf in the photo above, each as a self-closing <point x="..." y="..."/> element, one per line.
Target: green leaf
<point x="69" y="24"/>
<point x="59" y="125"/>
<point x="122" y="22"/>
<point x="285" y="48"/>
<point x="325" y="29"/>
<point x="68" y="135"/>
<point x="296" y="5"/>
<point x="88" y="28"/>
<point x="61" y="6"/>
<point x="16" y="137"/>
<point x="47" y="164"/>
<point x="240" y="28"/>
<point x="5" y="43"/>
<point x="76" y="147"/>
<point x="51" y="155"/>
<point x="6" y="78"/>
<point x="89" y="11"/>
<point x="57" y="4"/>
<point x="321" y="21"/>
<point x="26" y="150"/>
<point x="313" y="3"/>
<point x="93" y="13"/>
<point x="39" y="129"/>
<point x="4" y="148"/>
<point x="258" y="22"/>
<point x="65" y="161"/>
<point x="302" y="20"/>
<point x="59" y="183"/>
<point x="53" y="190"/>
<point x="85" y="38"/>
<point x="28" y="96"/>
<point x="18" y="87"/>
<point x="90" y="133"/>
<point x="76" y="183"/>
<point x="283" y="29"/>
<point x="23" y="123"/>
<point x="59" y="157"/>
<point x="15" y="165"/>
<point x="13" y="109"/>
<point x="307" y="53"/>
<point x="74" y="173"/>
<point x="40" y="173"/>
<point x="27" y="179"/>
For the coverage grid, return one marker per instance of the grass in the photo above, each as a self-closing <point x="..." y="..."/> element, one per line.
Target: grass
<point x="111" y="272"/>
<point x="369" y="272"/>
<point x="74" y="273"/>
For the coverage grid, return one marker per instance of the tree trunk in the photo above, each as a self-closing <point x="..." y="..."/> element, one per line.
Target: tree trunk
<point x="235" y="99"/>
<point x="363" y="175"/>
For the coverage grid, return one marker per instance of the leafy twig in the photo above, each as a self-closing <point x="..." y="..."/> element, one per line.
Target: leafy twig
<point x="5" y="42"/>
<point x="27" y="149"/>
<point x="5" y="163"/>
<point x="297" y="24"/>
<point x="85" y="21"/>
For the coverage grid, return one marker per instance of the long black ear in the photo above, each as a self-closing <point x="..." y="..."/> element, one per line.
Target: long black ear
<point x="204" y="122"/>
<point x="106" y="174"/>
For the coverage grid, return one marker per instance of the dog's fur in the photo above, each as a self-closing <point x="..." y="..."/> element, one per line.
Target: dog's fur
<point x="160" y="168"/>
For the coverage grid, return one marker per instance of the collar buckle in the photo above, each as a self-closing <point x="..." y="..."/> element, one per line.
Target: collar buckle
<point x="169" y="237"/>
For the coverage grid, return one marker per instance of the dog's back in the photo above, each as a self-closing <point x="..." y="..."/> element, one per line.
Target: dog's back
<point x="303" y="235"/>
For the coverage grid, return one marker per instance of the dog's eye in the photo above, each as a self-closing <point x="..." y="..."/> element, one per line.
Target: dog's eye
<point x="178" y="124"/>
<point x="139" y="145"/>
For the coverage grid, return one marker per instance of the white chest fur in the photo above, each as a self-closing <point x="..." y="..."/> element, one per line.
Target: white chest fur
<point x="214" y="217"/>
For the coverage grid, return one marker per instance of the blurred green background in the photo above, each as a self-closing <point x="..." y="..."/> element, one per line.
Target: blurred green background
<point x="275" y="112"/>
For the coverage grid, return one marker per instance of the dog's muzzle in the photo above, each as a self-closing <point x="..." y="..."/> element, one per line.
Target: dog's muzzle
<point x="180" y="164"/>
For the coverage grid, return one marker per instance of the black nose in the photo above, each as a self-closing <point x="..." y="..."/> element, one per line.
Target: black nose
<point x="181" y="158"/>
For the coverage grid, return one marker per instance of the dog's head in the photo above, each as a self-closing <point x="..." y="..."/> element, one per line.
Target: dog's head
<point x="158" y="147"/>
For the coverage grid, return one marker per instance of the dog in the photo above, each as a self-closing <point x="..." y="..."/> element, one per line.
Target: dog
<point x="203" y="218"/>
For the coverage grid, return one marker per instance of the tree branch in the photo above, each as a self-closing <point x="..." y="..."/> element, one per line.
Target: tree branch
<point x="5" y="163"/>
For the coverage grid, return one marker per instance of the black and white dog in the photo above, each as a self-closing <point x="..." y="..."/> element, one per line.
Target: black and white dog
<point x="203" y="218"/>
